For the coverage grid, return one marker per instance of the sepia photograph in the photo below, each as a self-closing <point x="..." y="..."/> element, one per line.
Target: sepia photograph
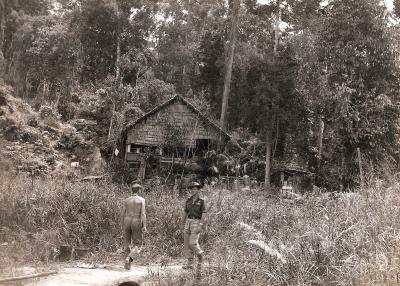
<point x="200" y="142"/>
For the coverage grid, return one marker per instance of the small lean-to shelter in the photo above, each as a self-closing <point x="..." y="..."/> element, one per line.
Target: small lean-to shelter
<point x="174" y="132"/>
<point x="292" y="173"/>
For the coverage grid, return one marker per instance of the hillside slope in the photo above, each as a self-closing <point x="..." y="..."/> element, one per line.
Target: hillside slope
<point x="38" y="143"/>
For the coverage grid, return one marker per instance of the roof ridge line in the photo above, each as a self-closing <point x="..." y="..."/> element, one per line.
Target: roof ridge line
<point x="185" y="101"/>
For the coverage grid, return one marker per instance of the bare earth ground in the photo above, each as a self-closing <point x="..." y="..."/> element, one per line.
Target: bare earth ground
<point x="112" y="274"/>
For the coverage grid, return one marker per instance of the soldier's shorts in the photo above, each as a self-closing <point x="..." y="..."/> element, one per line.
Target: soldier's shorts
<point x="132" y="232"/>
<point x="193" y="229"/>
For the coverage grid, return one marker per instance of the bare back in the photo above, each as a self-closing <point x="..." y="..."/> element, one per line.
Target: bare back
<point x="134" y="207"/>
<point x="133" y="216"/>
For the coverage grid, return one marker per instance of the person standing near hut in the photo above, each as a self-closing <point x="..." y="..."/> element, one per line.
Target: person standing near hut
<point x="194" y="224"/>
<point x="133" y="220"/>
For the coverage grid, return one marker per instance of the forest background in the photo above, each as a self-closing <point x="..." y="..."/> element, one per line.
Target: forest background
<point x="317" y="81"/>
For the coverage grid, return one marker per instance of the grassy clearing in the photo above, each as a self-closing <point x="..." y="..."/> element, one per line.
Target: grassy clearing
<point x="349" y="239"/>
<point x="38" y="216"/>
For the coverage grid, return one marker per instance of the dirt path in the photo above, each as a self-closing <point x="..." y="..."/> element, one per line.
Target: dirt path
<point x="109" y="276"/>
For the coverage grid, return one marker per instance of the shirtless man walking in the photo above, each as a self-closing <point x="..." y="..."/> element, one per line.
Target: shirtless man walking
<point x="133" y="220"/>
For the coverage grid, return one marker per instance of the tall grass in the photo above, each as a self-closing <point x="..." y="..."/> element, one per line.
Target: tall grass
<point x="342" y="239"/>
<point x="37" y="216"/>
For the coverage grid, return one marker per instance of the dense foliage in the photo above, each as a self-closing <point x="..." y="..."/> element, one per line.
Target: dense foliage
<point x="331" y="64"/>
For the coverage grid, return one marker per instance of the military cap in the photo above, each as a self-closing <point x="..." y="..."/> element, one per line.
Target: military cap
<point x="136" y="187"/>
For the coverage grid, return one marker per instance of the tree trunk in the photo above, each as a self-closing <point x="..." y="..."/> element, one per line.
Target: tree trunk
<point x="25" y="277"/>
<point x="111" y="122"/>
<point x="137" y="84"/>
<point x="117" y="61"/>
<point x="229" y="63"/>
<point x="188" y="37"/>
<point x="320" y="140"/>
<point x="69" y="85"/>
<point x="276" y="139"/>
<point x="271" y="117"/>
<point x="44" y="89"/>
<point x="183" y="82"/>
<point x="359" y="159"/>
<point x="268" y="149"/>
<point x="2" y="24"/>
<point x="118" y="55"/>
<point x="188" y="40"/>
<point x="25" y="96"/>
<point x="342" y="172"/>
<point x="281" y="139"/>
<point x="267" y="180"/>
<point x="276" y="28"/>
<point x="10" y="68"/>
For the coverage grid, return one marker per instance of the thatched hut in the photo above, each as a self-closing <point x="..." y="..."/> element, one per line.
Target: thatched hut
<point x="174" y="132"/>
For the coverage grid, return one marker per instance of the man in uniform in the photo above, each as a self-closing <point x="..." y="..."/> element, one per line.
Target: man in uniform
<point x="194" y="223"/>
<point x="133" y="220"/>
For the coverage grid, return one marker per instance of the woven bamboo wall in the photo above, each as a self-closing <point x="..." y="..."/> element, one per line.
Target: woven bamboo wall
<point x="154" y="129"/>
